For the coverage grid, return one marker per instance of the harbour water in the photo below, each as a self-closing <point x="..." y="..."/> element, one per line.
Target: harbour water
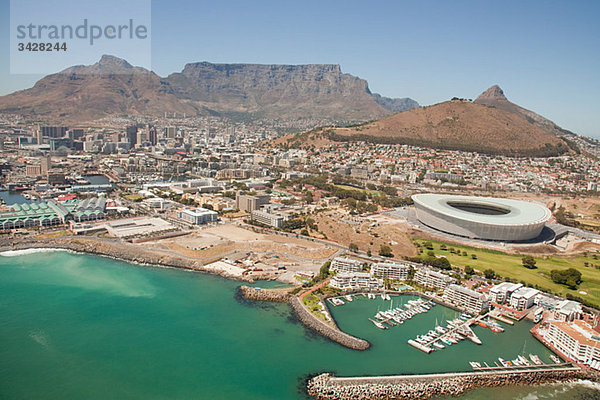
<point x="11" y="198"/>
<point x="75" y="326"/>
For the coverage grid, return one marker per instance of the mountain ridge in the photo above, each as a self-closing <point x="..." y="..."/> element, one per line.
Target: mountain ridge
<point x="113" y="86"/>
<point x="494" y="127"/>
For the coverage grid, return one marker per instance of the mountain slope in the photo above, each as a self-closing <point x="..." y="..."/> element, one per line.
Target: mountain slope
<point x="494" y="97"/>
<point x="110" y="87"/>
<point x="113" y="87"/>
<point x="456" y="125"/>
<point x="395" y="105"/>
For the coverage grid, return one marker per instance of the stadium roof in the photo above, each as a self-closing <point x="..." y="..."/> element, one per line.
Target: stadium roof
<point x="470" y="208"/>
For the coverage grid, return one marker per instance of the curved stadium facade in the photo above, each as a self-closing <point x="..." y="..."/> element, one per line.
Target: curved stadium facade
<point x="481" y="217"/>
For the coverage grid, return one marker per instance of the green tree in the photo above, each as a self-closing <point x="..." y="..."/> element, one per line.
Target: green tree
<point x="324" y="271"/>
<point x="569" y="277"/>
<point x="469" y="270"/>
<point x="528" y="262"/>
<point x="353" y="247"/>
<point x="385" y="251"/>
<point x="489" y="273"/>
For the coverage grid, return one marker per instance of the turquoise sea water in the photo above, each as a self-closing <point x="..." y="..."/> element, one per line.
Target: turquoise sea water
<point x="81" y="327"/>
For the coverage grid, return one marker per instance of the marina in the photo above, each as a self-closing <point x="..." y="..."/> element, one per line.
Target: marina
<point x="440" y="337"/>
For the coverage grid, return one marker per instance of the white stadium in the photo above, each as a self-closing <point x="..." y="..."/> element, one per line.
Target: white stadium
<point x="482" y="217"/>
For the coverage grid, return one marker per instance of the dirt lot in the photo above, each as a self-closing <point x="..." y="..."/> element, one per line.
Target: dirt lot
<point x="256" y="249"/>
<point x="368" y="233"/>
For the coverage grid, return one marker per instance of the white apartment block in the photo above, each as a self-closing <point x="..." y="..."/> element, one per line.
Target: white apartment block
<point x="344" y="264"/>
<point x="576" y="340"/>
<point x="355" y="280"/>
<point x="266" y="217"/>
<point x="472" y="301"/>
<point x="393" y="271"/>
<point x="568" y="310"/>
<point x="501" y="293"/>
<point x="523" y="298"/>
<point x="432" y="279"/>
<point x="197" y="216"/>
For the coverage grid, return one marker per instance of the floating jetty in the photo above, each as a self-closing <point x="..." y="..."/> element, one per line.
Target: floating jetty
<point x="501" y="319"/>
<point x="397" y="316"/>
<point x="440" y="337"/>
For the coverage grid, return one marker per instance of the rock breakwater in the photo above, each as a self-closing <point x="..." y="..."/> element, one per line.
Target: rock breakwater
<point x="273" y="295"/>
<point x="411" y="387"/>
<point x="322" y="328"/>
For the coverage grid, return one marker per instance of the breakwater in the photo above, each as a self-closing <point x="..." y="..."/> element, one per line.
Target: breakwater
<point x="324" y="329"/>
<point x="411" y="387"/>
<point x="273" y="295"/>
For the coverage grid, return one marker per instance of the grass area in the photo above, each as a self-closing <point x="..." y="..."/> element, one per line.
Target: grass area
<point x="134" y="197"/>
<point x="348" y="187"/>
<point x="311" y="302"/>
<point x="509" y="265"/>
<point x="52" y="235"/>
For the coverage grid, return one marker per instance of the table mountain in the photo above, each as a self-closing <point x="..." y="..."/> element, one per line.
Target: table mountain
<point x="112" y="86"/>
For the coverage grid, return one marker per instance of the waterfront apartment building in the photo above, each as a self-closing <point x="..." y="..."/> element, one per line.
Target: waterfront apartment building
<point x="393" y="271"/>
<point x="472" y="301"/>
<point x="197" y="216"/>
<point x="344" y="264"/>
<point x="433" y="279"/>
<point x="267" y="217"/>
<point x="249" y="203"/>
<point x="523" y="298"/>
<point x="576" y="340"/>
<point x="568" y="310"/>
<point x="355" y="280"/>
<point x="502" y="292"/>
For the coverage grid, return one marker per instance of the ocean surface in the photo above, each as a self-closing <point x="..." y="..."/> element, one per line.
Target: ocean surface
<point x="81" y="327"/>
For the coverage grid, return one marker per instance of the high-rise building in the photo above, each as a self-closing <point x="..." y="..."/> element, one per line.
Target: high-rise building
<point x="131" y="132"/>
<point x="46" y="164"/>
<point x="141" y="137"/>
<point x="170" y="132"/>
<point x="38" y="135"/>
<point x="76" y="133"/>
<point x="152" y="135"/>
<point x="54" y="131"/>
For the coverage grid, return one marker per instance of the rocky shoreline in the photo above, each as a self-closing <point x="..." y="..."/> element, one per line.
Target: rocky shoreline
<point x="416" y="387"/>
<point x="113" y="249"/>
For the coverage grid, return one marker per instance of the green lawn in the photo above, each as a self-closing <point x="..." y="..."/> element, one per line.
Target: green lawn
<point x="508" y="265"/>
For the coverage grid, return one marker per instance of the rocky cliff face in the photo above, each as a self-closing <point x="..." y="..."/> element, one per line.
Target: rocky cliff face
<point x="317" y="90"/>
<point x="113" y="86"/>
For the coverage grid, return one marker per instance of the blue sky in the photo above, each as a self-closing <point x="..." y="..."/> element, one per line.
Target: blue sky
<point x="544" y="54"/>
